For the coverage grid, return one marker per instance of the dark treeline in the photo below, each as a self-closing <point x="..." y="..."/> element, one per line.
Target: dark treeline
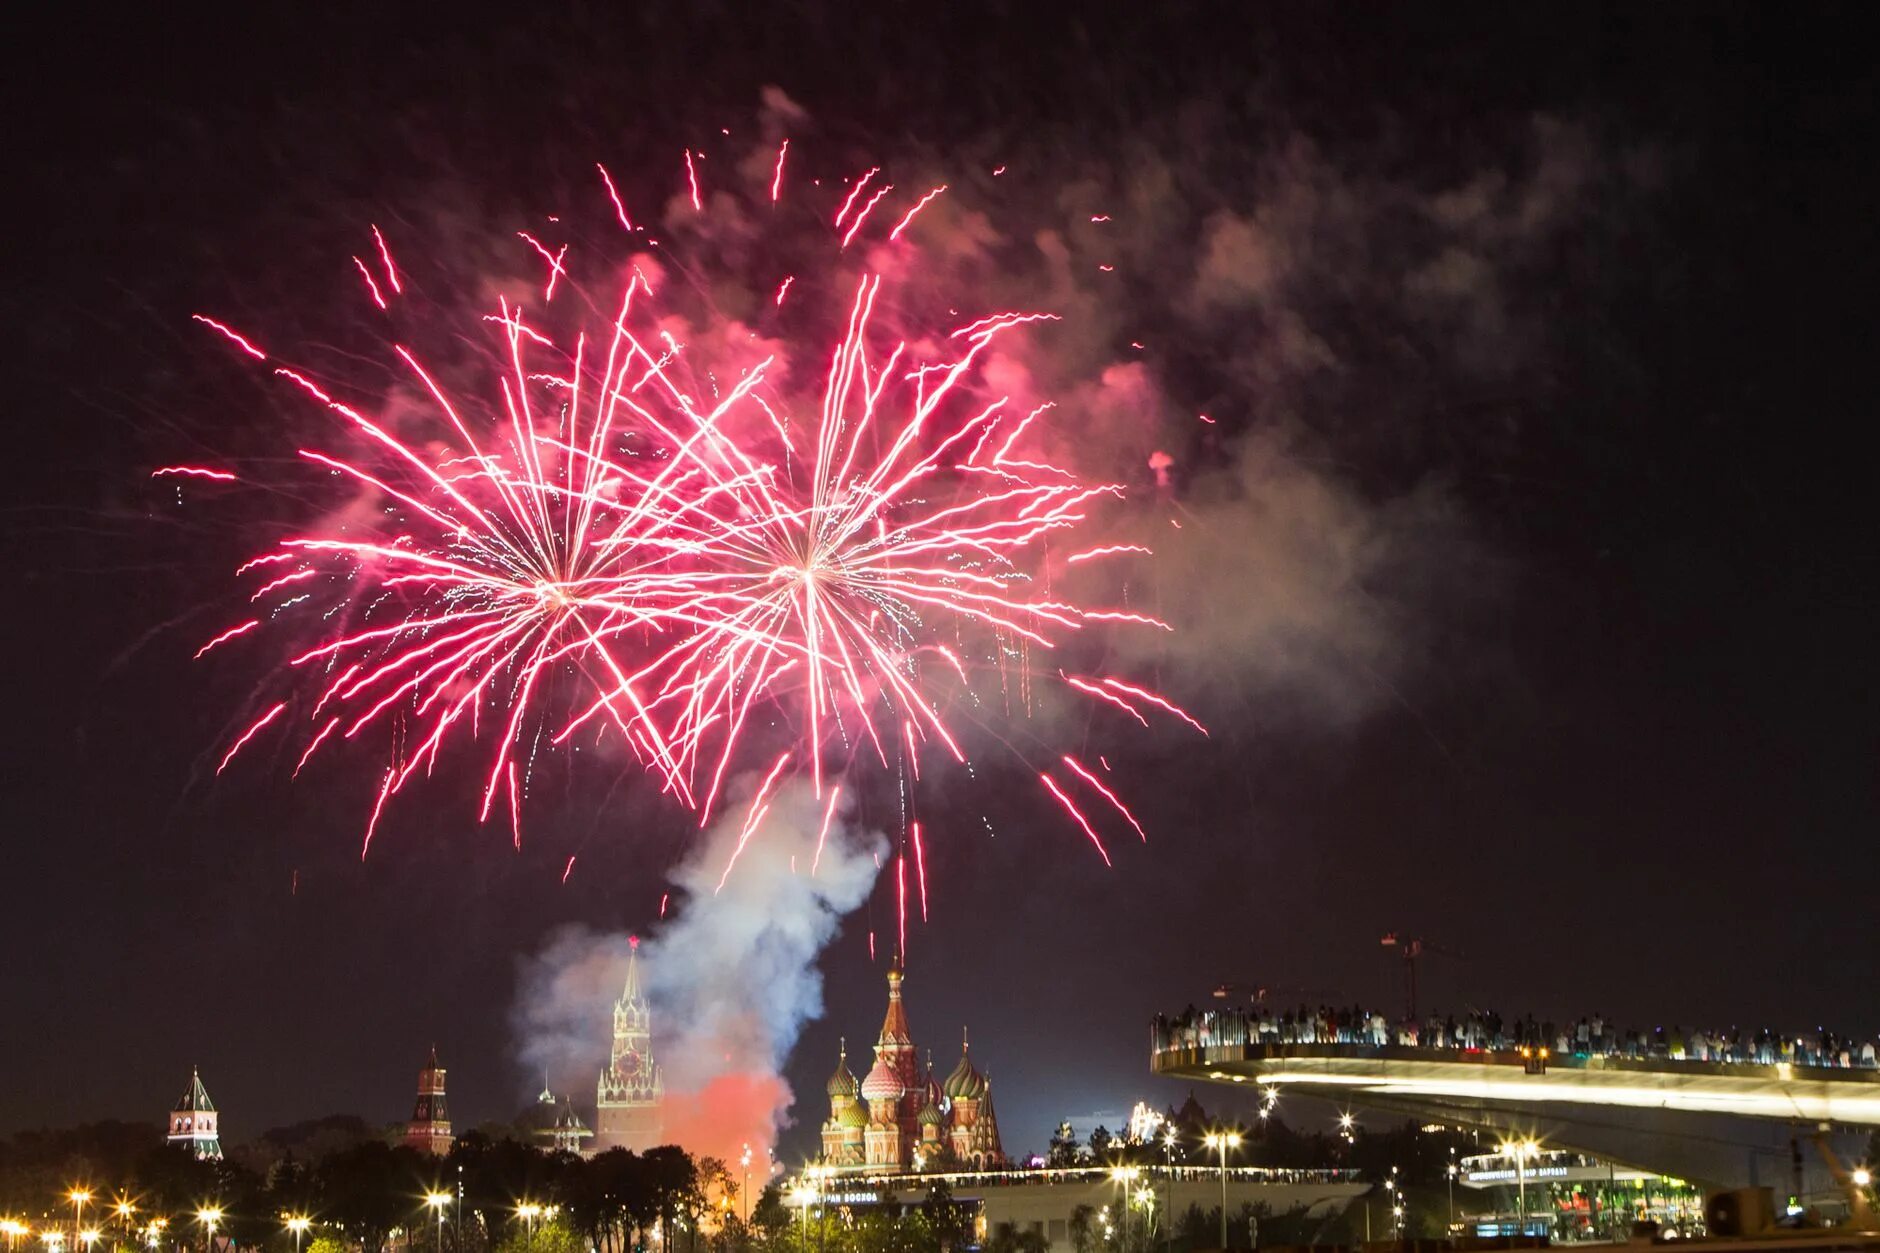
<point x="355" y="1188"/>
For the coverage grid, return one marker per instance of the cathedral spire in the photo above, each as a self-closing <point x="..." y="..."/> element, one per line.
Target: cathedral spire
<point x="894" y="1030"/>
<point x="632" y="991"/>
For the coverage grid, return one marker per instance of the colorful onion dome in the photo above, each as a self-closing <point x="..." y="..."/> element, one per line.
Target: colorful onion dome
<point x="853" y="1116"/>
<point x="842" y="1083"/>
<point x="965" y="1083"/>
<point x="882" y="1083"/>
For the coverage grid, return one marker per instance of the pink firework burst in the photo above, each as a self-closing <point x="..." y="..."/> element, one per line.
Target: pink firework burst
<point x="623" y="536"/>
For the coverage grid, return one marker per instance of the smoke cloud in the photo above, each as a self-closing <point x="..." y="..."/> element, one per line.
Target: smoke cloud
<point x="732" y="974"/>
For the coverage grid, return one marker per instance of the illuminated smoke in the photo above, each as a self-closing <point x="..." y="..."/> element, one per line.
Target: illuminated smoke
<point x="732" y="974"/>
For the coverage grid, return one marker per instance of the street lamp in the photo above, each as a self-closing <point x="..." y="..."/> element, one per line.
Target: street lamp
<point x="528" y="1212"/>
<point x="745" y="1190"/>
<point x="298" y="1224"/>
<point x="208" y="1216"/>
<point x="1124" y="1176"/>
<point x="78" y="1198"/>
<point x="1521" y="1151"/>
<point x="801" y="1196"/>
<point x="1223" y="1141"/>
<point x="437" y="1201"/>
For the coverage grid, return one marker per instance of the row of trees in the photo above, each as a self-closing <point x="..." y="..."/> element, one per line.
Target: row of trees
<point x="486" y="1193"/>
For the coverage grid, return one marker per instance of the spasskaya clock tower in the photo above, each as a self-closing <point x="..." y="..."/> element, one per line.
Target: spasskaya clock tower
<point x="631" y="1088"/>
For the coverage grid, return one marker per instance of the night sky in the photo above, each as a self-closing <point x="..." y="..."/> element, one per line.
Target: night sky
<point x="1535" y="617"/>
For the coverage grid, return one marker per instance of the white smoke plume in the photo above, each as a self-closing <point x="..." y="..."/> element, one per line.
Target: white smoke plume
<point x="731" y="973"/>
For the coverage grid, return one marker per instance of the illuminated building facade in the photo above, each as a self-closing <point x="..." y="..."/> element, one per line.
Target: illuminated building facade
<point x="193" y="1121"/>
<point x="898" y="1117"/>
<point x="631" y="1090"/>
<point x="429" y="1129"/>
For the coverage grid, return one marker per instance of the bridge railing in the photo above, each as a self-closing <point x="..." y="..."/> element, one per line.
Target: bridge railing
<point x="1490" y="1034"/>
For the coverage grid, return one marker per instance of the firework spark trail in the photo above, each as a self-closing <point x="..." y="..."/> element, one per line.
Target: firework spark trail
<point x="385" y="256"/>
<point x="620" y="210"/>
<point x="776" y="179"/>
<point x="861" y="214"/>
<point x="1107" y="550"/>
<point x="822" y="836"/>
<point x="902" y="224"/>
<point x="199" y="472"/>
<point x="854" y="191"/>
<point x="253" y="730"/>
<point x="1078" y="814"/>
<point x="372" y="285"/>
<point x="231" y="335"/>
<point x="1158" y="701"/>
<point x="625" y="537"/>
<point x="920" y="869"/>
<point x="227" y="635"/>
<point x="1106" y="793"/>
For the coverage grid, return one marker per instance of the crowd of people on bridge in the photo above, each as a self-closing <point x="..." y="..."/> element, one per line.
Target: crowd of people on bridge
<point x="1487" y="1031"/>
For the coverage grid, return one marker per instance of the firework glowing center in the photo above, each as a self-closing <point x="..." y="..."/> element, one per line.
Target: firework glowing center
<point x="622" y="543"/>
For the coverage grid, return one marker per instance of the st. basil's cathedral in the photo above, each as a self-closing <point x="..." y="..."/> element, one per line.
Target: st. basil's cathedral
<point x="898" y="1119"/>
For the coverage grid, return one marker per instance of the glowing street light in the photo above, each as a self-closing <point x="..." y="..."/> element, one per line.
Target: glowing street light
<point x="1223" y="1141"/>
<point x="78" y="1197"/>
<point x="437" y="1201"/>
<point x="801" y="1196"/>
<point x="528" y="1212"/>
<point x="208" y="1216"/>
<point x="1521" y="1151"/>
<point x="1124" y="1176"/>
<point x="1862" y="1176"/>
<point x="745" y="1190"/>
<point x="298" y="1224"/>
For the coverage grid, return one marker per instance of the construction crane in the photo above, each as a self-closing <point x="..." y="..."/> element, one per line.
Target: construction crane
<point x="1413" y="947"/>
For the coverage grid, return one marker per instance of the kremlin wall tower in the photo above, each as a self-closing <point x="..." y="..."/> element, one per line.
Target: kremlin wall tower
<point x="898" y="1119"/>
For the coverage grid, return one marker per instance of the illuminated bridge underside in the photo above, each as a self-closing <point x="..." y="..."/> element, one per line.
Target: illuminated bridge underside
<point x="1718" y="1123"/>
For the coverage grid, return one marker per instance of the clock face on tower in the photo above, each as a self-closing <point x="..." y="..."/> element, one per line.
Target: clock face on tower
<point x="631" y="1062"/>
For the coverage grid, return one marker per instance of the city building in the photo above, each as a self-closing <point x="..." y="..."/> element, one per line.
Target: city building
<point x="631" y="1090"/>
<point x="192" y="1122"/>
<point x="429" y="1129"/>
<point x="898" y="1118"/>
<point x="1524" y="1189"/>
